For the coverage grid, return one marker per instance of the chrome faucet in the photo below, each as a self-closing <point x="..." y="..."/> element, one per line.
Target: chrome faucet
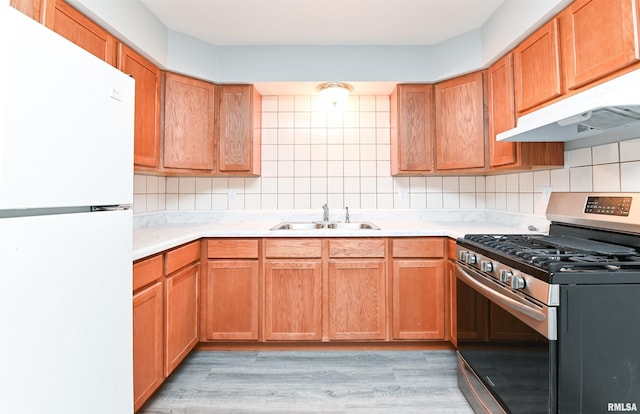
<point x="325" y="216"/>
<point x="346" y="219"/>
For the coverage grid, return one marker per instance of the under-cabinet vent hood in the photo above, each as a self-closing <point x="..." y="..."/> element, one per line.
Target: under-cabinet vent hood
<point x="604" y="109"/>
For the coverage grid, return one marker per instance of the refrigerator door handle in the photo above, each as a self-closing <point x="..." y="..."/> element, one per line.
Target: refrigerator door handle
<point x="115" y="207"/>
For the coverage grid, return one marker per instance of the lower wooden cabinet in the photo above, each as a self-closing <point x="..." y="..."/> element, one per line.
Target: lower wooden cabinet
<point x="357" y="299"/>
<point x="504" y="327"/>
<point x="293" y="300"/>
<point x="418" y="293"/>
<point x="357" y="289"/>
<point x="182" y="271"/>
<point x="165" y="316"/>
<point x="230" y="308"/>
<point x="232" y="300"/>
<point x="473" y="313"/>
<point x="148" y="308"/>
<point x="181" y="320"/>
<point x="418" y="299"/>
<point x="147" y="343"/>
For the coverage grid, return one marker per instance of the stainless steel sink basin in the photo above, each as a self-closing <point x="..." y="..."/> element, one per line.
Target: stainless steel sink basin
<point x="353" y="226"/>
<point x="363" y="225"/>
<point x="298" y="226"/>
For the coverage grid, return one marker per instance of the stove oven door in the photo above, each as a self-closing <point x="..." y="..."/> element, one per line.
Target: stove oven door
<point x="505" y="364"/>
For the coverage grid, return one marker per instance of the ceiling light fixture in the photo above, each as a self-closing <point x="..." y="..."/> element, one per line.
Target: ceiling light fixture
<point x="334" y="92"/>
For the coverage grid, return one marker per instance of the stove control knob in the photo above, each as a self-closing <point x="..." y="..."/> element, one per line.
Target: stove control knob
<point x="486" y="266"/>
<point x="517" y="282"/>
<point x="471" y="259"/>
<point x="463" y="255"/>
<point x="505" y="275"/>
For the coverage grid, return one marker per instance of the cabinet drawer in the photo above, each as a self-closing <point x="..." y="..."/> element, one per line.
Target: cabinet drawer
<point x="232" y="249"/>
<point x="181" y="256"/>
<point x="357" y="247"/>
<point x="146" y="271"/>
<point x="418" y="247"/>
<point x="308" y="248"/>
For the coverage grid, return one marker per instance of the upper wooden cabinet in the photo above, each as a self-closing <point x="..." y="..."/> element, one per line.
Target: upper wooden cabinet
<point x="412" y="129"/>
<point x="146" y="153"/>
<point x="460" y="121"/>
<point x="502" y="111"/>
<point x="502" y="117"/>
<point x="537" y="68"/>
<point x="598" y="38"/>
<point x="32" y="8"/>
<point x="240" y="109"/>
<point x="189" y="123"/>
<point x="73" y="25"/>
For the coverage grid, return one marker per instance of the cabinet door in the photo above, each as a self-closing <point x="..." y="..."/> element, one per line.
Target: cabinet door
<point x="239" y="129"/>
<point x="502" y="111"/>
<point x="357" y="299"/>
<point x="460" y="137"/>
<point x="505" y="327"/>
<point x="412" y="129"/>
<point x="293" y="300"/>
<point x="181" y="316"/>
<point x="232" y="300"/>
<point x="598" y="38"/>
<point x="188" y="123"/>
<point x="147" y="343"/>
<point x="472" y="313"/>
<point x="76" y="27"/>
<point x="32" y="8"/>
<point x="537" y="68"/>
<point x="146" y="147"/>
<point x="418" y="299"/>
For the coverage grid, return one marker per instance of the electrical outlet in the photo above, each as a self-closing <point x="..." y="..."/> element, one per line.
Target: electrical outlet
<point x="233" y="194"/>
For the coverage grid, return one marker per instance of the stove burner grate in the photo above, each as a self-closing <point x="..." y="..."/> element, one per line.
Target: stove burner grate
<point x="547" y="253"/>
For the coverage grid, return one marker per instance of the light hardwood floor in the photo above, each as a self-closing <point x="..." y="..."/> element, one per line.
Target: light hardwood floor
<point x="312" y="382"/>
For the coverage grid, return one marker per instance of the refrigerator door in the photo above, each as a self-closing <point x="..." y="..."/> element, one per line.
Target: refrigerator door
<point x="65" y="314"/>
<point x="66" y="122"/>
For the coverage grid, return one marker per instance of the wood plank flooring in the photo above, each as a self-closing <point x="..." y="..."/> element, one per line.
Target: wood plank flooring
<point x="312" y="382"/>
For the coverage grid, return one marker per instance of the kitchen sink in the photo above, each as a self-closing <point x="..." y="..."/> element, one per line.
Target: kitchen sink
<point x="353" y="226"/>
<point x="363" y="225"/>
<point x="298" y="226"/>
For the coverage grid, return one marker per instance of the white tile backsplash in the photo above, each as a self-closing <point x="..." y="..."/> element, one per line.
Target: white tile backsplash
<point x="312" y="154"/>
<point x="578" y="157"/>
<point x="604" y="154"/>
<point x="606" y="177"/>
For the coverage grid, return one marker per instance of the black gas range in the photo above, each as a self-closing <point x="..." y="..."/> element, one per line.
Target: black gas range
<point x="550" y="323"/>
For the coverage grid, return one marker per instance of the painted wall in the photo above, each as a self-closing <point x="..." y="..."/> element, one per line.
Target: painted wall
<point x="312" y="154"/>
<point x="137" y="26"/>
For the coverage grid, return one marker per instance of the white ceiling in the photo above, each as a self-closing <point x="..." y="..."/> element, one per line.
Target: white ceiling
<point x="323" y="22"/>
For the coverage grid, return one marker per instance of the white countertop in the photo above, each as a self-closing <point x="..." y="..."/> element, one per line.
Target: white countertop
<point x="154" y="233"/>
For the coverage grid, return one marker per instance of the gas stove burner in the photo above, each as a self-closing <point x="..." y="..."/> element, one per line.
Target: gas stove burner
<point x="559" y="253"/>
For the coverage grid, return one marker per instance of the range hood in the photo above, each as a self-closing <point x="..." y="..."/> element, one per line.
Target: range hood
<point x="611" y="107"/>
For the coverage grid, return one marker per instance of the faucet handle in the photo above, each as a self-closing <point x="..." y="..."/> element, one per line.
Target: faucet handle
<point x="346" y="219"/>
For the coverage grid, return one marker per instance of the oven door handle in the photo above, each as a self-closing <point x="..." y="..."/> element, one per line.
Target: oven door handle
<point x="518" y="306"/>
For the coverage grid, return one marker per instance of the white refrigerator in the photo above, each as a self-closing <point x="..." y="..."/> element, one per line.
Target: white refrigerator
<point x="66" y="188"/>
